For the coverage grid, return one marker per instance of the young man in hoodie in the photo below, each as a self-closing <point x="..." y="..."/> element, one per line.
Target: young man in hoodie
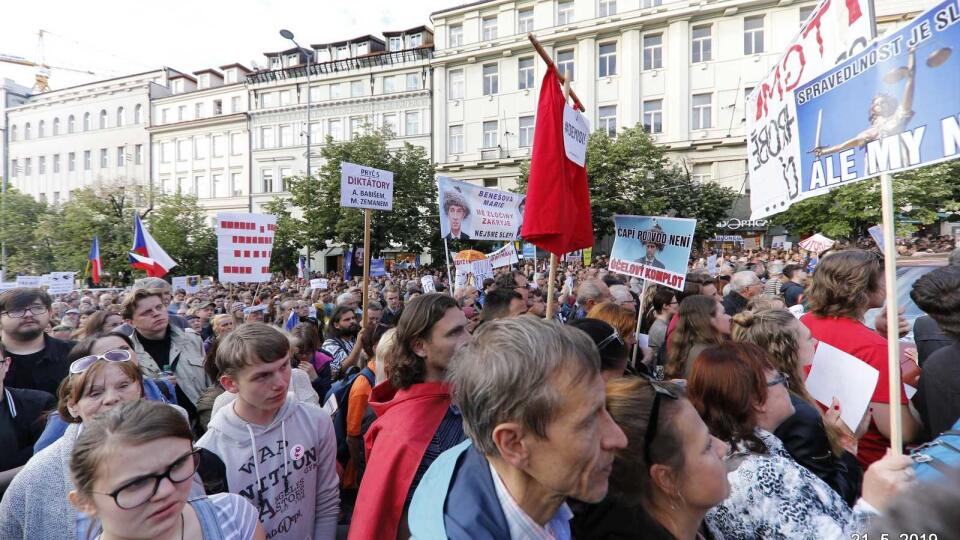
<point x="415" y="422"/>
<point x="279" y="453"/>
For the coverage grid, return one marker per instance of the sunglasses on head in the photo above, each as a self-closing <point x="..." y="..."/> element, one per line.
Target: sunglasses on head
<point x="609" y="339"/>
<point x="82" y="364"/>
<point x="659" y="390"/>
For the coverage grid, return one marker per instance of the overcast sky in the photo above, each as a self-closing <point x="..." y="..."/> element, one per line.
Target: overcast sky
<point x="113" y="37"/>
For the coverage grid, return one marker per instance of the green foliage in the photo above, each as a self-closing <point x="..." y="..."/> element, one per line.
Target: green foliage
<point x="183" y="230"/>
<point x="26" y="254"/>
<point x="287" y="239"/>
<point x="632" y="175"/>
<point x="412" y="224"/>
<point x="848" y="211"/>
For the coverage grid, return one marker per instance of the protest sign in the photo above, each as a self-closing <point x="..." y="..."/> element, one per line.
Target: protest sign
<point x="7" y="285"/>
<point x="655" y="249"/>
<point x="244" y="246"/>
<point x="472" y="212"/>
<point x="504" y="256"/>
<point x="836" y="374"/>
<point x="320" y="284"/>
<point x="777" y="241"/>
<point x="529" y="251"/>
<point x="833" y="32"/>
<point x="189" y="284"/>
<point x="60" y="282"/>
<point x="876" y="232"/>
<point x="574" y="256"/>
<point x="817" y="243"/>
<point x="377" y="267"/>
<point x="365" y="187"/>
<point x="32" y="282"/>
<point x="712" y="265"/>
<point x="480" y="270"/>
<point x="427" y="283"/>
<point x="587" y="256"/>
<point x="576" y="132"/>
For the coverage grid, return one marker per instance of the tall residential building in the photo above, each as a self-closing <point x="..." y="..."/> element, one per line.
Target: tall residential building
<point x="681" y="69"/>
<point x="200" y="138"/>
<point x="63" y="140"/>
<point x="365" y="81"/>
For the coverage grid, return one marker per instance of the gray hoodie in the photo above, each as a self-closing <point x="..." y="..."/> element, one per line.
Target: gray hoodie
<point x="285" y="469"/>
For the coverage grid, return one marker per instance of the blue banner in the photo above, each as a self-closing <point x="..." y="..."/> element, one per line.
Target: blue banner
<point x="529" y="251"/>
<point x="890" y="108"/>
<point x="377" y="268"/>
<point x="656" y="249"/>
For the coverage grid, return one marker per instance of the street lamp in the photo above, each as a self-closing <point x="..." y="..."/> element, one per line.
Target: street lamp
<point x="311" y="56"/>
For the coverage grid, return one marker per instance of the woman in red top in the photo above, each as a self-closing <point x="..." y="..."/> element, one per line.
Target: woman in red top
<point x="846" y="284"/>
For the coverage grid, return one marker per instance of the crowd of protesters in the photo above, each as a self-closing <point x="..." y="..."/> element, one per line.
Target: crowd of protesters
<point x="282" y="411"/>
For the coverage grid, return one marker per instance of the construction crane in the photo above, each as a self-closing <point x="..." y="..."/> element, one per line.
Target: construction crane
<point x="42" y="80"/>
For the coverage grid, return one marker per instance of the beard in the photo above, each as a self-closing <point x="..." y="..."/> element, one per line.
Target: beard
<point x="351" y="330"/>
<point x="27" y="334"/>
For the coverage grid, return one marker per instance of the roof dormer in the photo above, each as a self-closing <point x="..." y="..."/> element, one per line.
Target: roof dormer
<point x="208" y="78"/>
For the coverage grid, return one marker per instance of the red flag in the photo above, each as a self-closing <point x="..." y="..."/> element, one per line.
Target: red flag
<point x="557" y="212"/>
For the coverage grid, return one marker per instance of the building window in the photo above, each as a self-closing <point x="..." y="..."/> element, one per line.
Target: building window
<point x="103" y="119"/>
<point x="416" y="40"/>
<point x="335" y="129"/>
<point x="525" y="73"/>
<point x="491" y="183"/>
<point x="356" y="88"/>
<point x="607" y="120"/>
<point x="219" y="186"/>
<point x="564" y="12"/>
<point x="651" y="3"/>
<point x="56" y="126"/>
<point x="71" y="161"/>
<point x="356" y="124"/>
<point x="181" y="113"/>
<point x="653" y="51"/>
<point x="56" y="198"/>
<point x="41" y="129"/>
<point x="181" y="186"/>
<point x="198" y="181"/>
<point x="389" y="84"/>
<point x="344" y="52"/>
<point x="183" y="150"/>
<point x="121" y="112"/>
<point x="138" y="154"/>
<point x="490" y="134"/>
<point x="805" y="13"/>
<point x="236" y="144"/>
<point x="267" y="100"/>
<point x="199" y="110"/>
<point x="13" y="133"/>
<point x="26" y="132"/>
<point x="104" y="158"/>
<point x="702" y="172"/>
<point x="266" y="184"/>
<point x="138" y="114"/>
<point x="491" y="79"/>
<point x="218" y="143"/>
<point x="121" y="158"/>
<point x="200" y="147"/>
<point x="315" y="134"/>
<point x="526" y="131"/>
<point x="455" y="140"/>
<point x="71" y="124"/>
<point x="455" y="84"/>
<point x="14" y="169"/>
<point x="56" y="163"/>
<point x="565" y="64"/>
<point x="266" y="137"/>
<point x="42" y="165"/>
<point x="286" y="173"/>
<point x="236" y="185"/>
<point x="608" y="59"/>
<point x="166" y="150"/>
<point x="390" y="122"/>
<point x="411" y="123"/>
<point x="488" y="28"/>
<point x="87" y="158"/>
<point x="525" y="21"/>
<point x="285" y="97"/>
<point x="235" y="104"/>
<point x="413" y="81"/>
<point x="456" y="35"/>
<point x="753" y="34"/>
<point x="28" y="167"/>
<point x="653" y="116"/>
<point x="336" y="91"/>
<point x="701" y="44"/>
<point x="607" y="8"/>
<point x="86" y="122"/>
<point x="396" y="43"/>
<point x="702" y="113"/>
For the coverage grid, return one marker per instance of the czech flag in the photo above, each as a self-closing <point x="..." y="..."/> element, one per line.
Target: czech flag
<point x="94" y="263"/>
<point x="302" y="268"/>
<point x="292" y="321"/>
<point x="147" y="254"/>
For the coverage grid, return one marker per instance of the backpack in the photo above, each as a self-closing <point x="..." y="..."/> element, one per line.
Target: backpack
<point x="936" y="459"/>
<point x="340" y="391"/>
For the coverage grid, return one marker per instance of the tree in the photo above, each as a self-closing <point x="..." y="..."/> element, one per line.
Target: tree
<point x="287" y="239"/>
<point x="630" y="174"/>
<point x="26" y="254"/>
<point x="411" y="225"/>
<point x="848" y="211"/>
<point x="181" y="228"/>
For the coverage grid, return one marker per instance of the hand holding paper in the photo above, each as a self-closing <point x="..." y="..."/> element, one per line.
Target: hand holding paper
<point x="838" y="375"/>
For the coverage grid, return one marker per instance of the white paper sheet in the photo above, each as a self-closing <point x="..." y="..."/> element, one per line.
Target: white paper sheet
<point x="838" y="374"/>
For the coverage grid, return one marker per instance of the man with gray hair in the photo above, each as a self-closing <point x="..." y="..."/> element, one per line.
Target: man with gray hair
<point x="532" y="400"/>
<point x="621" y="295"/>
<point x="775" y="273"/>
<point x="591" y="292"/>
<point x="744" y="285"/>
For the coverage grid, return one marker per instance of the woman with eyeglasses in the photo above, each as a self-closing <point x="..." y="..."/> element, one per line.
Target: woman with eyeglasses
<point x="132" y="469"/>
<point x="824" y="445"/>
<point x="667" y="478"/>
<point x="702" y="323"/>
<point x="743" y="399"/>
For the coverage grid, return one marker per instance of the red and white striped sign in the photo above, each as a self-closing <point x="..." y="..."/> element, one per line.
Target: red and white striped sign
<point x="244" y="247"/>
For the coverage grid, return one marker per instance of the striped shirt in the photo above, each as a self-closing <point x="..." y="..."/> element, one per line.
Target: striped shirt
<point x="521" y="526"/>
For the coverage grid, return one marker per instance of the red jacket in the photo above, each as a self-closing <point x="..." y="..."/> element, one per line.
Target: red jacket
<point x="395" y="445"/>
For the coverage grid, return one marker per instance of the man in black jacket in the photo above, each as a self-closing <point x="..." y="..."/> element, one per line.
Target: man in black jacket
<point x="39" y="360"/>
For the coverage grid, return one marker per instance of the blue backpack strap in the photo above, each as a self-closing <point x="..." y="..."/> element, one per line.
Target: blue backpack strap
<point x="207" y="514"/>
<point x="425" y="516"/>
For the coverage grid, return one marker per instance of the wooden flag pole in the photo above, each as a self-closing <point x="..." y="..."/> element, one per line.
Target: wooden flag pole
<point x="567" y="93"/>
<point x="643" y="297"/>
<point x="551" y="287"/>
<point x="551" y="284"/>
<point x="893" y="332"/>
<point x="366" y="264"/>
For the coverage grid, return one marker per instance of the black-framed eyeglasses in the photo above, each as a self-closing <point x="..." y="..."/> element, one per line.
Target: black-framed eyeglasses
<point x="781" y="378"/>
<point x="19" y="313"/>
<point x="659" y="390"/>
<point x="140" y="490"/>
<point x="609" y="339"/>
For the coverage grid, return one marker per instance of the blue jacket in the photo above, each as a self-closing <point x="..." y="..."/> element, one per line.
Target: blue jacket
<point x="460" y="474"/>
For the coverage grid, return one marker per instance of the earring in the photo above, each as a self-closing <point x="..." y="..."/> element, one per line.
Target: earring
<point x="680" y="496"/>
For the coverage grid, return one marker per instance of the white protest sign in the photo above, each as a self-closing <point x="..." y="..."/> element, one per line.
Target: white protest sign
<point x="504" y="256"/>
<point x="6" y="286"/>
<point x="45" y="280"/>
<point x="365" y="187"/>
<point x="712" y="265"/>
<point x="427" y="283"/>
<point x="321" y="284"/>
<point x="834" y="31"/>
<point x="480" y="270"/>
<point x="32" y="282"/>
<point x="796" y="310"/>
<point x="470" y="211"/>
<point x="60" y="282"/>
<point x="576" y="132"/>
<point x="836" y="374"/>
<point x="244" y="246"/>
<point x="189" y="284"/>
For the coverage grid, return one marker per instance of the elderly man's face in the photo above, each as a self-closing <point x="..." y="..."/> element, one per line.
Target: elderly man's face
<point x="576" y="457"/>
<point x="455" y="215"/>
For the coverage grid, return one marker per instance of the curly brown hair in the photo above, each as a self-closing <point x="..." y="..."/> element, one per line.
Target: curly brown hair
<point x="403" y="366"/>
<point x="694" y="327"/>
<point x="843" y="283"/>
